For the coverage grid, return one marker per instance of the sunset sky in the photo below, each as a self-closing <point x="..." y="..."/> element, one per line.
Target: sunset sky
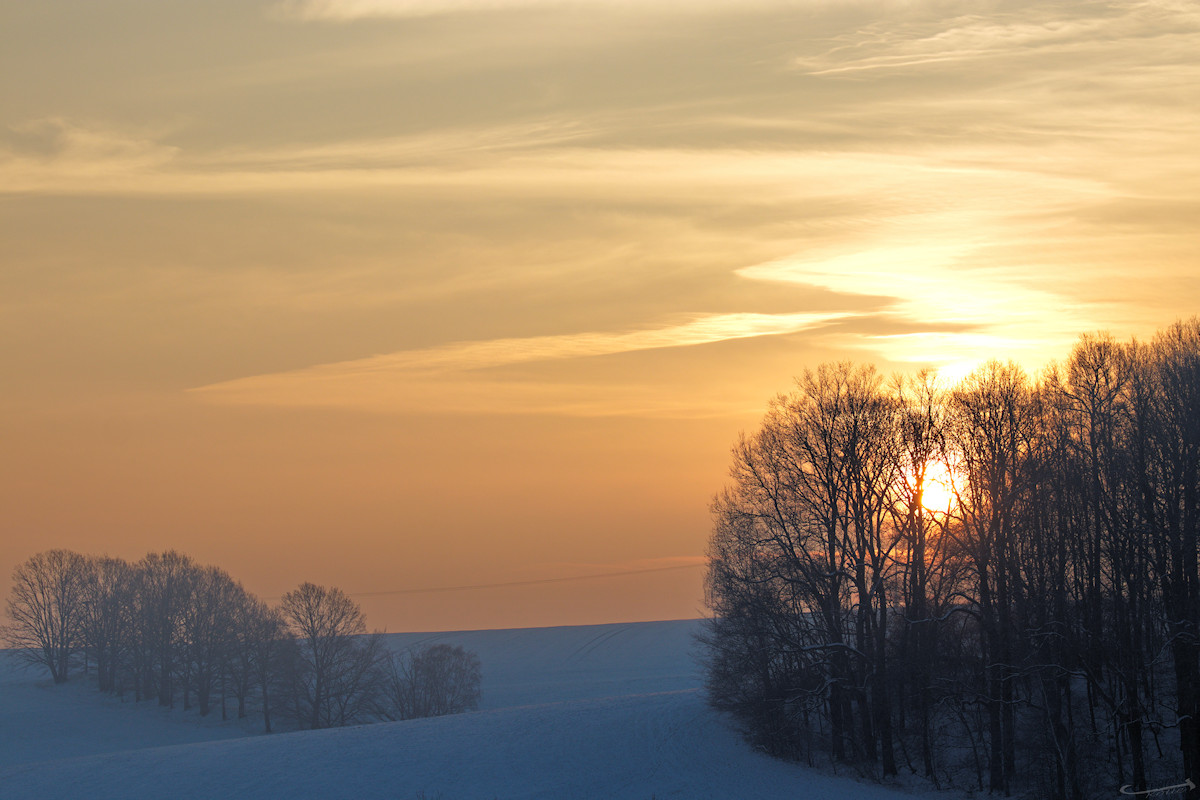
<point x="399" y="295"/>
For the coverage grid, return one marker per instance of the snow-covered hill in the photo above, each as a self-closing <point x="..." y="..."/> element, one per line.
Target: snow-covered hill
<point x="576" y="712"/>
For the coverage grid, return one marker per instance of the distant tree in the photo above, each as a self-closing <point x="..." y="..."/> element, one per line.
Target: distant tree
<point x="170" y="628"/>
<point x="167" y="582"/>
<point x="208" y="630"/>
<point x="254" y="629"/>
<point x="433" y="681"/>
<point x="46" y="608"/>
<point x="270" y="650"/>
<point x="335" y="675"/>
<point x="106" y="598"/>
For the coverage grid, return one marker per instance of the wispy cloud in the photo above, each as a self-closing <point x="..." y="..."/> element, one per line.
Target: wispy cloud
<point x="880" y="225"/>
<point x="502" y="352"/>
<point x="59" y="155"/>
<point x="1061" y="33"/>
<point x="455" y="145"/>
<point x="946" y="281"/>
<point x="858" y="164"/>
<point x="39" y="152"/>
<point x="543" y="159"/>
<point x="344" y="10"/>
<point x="449" y="379"/>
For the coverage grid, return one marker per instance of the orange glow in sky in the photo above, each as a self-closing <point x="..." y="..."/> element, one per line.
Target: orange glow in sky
<point x="472" y="297"/>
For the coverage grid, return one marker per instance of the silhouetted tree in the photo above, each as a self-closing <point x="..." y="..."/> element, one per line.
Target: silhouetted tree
<point x="991" y="436"/>
<point x="107" y="595"/>
<point x="1042" y="632"/>
<point x="802" y="558"/>
<point x="335" y="675"/>
<point x="168" y="627"/>
<point x="46" y="610"/>
<point x="1168" y="428"/>
<point x="432" y="681"/>
<point x="166" y="583"/>
<point x="923" y="550"/>
<point x="271" y="650"/>
<point x="208" y="630"/>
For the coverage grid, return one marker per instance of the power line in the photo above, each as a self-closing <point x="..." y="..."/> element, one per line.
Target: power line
<point x="434" y="589"/>
<point x="467" y="587"/>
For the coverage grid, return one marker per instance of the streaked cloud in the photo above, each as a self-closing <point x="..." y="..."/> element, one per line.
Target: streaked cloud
<point x="42" y="152"/>
<point x="344" y="10"/>
<point x="1055" y="34"/>
<point x="535" y="160"/>
<point x="942" y="283"/>
<point x="449" y="379"/>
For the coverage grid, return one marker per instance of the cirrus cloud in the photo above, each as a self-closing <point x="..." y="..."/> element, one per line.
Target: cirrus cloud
<point x="469" y="377"/>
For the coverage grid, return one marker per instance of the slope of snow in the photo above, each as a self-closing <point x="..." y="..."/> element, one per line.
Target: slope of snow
<point x="540" y="665"/>
<point x="659" y="745"/>
<point x="583" y="712"/>
<point x="40" y="721"/>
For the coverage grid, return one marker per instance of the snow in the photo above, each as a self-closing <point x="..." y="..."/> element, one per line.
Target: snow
<point x="608" y="711"/>
<point x="541" y="665"/>
<point x="40" y="721"/>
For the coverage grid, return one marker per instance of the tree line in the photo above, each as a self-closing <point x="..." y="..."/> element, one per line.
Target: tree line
<point x="1036" y="630"/>
<point x="168" y="629"/>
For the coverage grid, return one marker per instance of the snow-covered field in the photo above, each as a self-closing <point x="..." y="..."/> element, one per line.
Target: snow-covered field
<point x="575" y="712"/>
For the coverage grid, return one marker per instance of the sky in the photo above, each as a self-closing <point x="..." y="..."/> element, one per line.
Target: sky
<point x="459" y="305"/>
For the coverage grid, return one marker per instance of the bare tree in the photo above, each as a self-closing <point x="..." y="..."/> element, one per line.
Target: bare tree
<point x="1167" y="408"/>
<point x="802" y="556"/>
<point x="46" y="608"/>
<point x="259" y="649"/>
<point x="433" y="681"/>
<point x="335" y="675"/>
<point x="166" y="582"/>
<point x="271" y="649"/>
<point x="921" y="449"/>
<point x="1045" y="628"/>
<point x="991" y="433"/>
<point x="170" y="628"/>
<point x="106" y="597"/>
<point x="208" y="630"/>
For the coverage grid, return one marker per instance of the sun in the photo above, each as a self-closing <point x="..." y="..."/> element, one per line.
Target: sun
<point x="937" y="487"/>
